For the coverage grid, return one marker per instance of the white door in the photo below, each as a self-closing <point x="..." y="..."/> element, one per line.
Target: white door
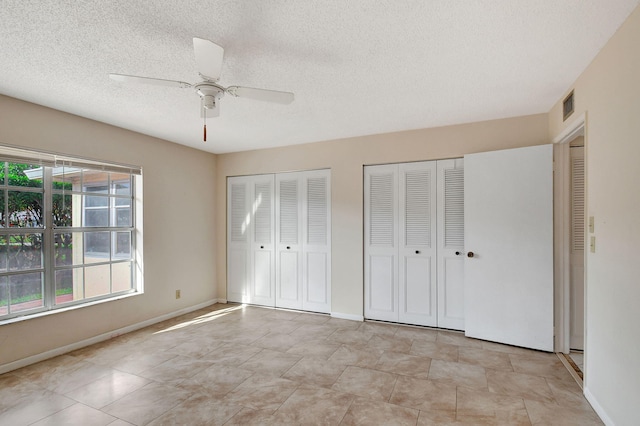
<point x="577" y="249"/>
<point x="288" y="240"/>
<point x="381" y="242"/>
<point x="508" y="213"/>
<point x="417" y="290"/>
<point x="316" y="251"/>
<point x="451" y="244"/>
<point x="238" y="239"/>
<point x="262" y="291"/>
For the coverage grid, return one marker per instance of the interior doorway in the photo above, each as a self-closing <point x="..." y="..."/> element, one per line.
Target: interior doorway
<point x="571" y="241"/>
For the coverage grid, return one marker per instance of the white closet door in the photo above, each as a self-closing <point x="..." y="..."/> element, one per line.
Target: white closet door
<point x="417" y="246"/>
<point x="316" y="281"/>
<point x="288" y="240"/>
<point x="238" y="239"/>
<point x="262" y="244"/>
<point x="508" y="213"/>
<point x="381" y="242"/>
<point x="451" y="244"/>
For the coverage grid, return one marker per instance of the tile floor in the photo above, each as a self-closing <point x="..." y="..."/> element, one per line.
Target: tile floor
<point x="236" y="365"/>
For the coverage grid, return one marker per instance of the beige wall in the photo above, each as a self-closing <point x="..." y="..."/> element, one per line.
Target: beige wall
<point x="609" y="92"/>
<point x="178" y="220"/>
<point x="346" y="158"/>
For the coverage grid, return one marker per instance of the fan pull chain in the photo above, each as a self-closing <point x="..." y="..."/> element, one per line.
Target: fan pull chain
<point x="205" y="123"/>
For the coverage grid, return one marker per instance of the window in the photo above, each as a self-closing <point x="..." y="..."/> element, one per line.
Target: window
<point x="67" y="234"/>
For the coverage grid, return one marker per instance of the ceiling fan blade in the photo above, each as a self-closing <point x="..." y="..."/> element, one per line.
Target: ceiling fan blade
<point x="214" y="112"/>
<point x="146" y="80"/>
<point x="208" y="58"/>
<point x="261" y="94"/>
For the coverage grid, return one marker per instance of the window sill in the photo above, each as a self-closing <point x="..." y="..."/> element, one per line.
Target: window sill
<point x="27" y="317"/>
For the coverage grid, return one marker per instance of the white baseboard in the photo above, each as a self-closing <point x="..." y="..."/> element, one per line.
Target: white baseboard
<point x="4" y="368"/>
<point x="221" y="300"/>
<point x="351" y="317"/>
<point x="598" y="408"/>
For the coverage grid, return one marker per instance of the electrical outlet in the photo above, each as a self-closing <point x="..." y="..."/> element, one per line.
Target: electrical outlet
<point x="177" y="294"/>
<point x="591" y="225"/>
<point x="592" y="244"/>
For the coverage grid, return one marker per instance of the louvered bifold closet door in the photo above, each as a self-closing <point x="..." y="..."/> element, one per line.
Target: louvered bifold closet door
<point x="262" y="244"/>
<point x="577" y="249"/>
<point x="417" y="250"/>
<point x="451" y="244"/>
<point x="316" y="281"/>
<point x="289" y="189"/>
<point x="381" y="242"/>
<point x="238" y="239"/>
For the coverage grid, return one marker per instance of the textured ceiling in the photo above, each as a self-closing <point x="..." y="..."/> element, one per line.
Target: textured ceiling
<point x="356" y="67"/>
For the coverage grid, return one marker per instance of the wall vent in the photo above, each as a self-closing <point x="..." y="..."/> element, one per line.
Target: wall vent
<point x="567" y="106"/>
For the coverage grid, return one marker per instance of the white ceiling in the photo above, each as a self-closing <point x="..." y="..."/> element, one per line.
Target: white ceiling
<point x="356" y="67"/>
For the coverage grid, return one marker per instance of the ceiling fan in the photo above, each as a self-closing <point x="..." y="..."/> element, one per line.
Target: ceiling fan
<point x="209" y="58"/>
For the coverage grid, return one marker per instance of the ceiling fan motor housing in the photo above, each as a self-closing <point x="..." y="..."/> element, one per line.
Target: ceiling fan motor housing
<point x="210" y="93"/>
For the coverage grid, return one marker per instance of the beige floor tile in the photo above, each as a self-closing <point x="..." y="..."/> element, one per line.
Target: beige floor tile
<point x="552" y="414"/>
<point x="135" y="363"/>
<point x="437" y="418"/>
<point x="568" y="393"/>
<point x="144" y="405"/>
<point x="215" y="381"/>
<point x="197" y="410"/>
<point x="237" y="364"/>
<point x="349" y="336"/>
<point x="77" y="415"/>
<point x="315" y="371"/>
<point x="231" y="354"/>
<point x="435" y="350"/>
<point x="458" y="374"/>
<point x="314" y="406"/>
<point x="107" y="389"/>
<point x="490" y="407"/>
<point x="364" y="382"/>
<point x="417" y="333"/>
<point x="253" y="417"/>
<point x="313" y="331"/>
<point x="350" y="355"/>
<point x="484" y="358"/>
<point x="315" y="348"/>
<point x="390" y="343"/>
<point x="13" y="389"/>
<point x="407" y="365"/>
<point x="540" y="364"/>
<point x="424" y="394"/>
<point x="519" y="385"/>
<point x="36" y="406"/>
<point x="176" y="369"/>
<point x="457" y="338"/>
<point x="262" y="392"/>
<point x="380" y="328"/>
<point x="270" y="362"/>
<point x="366" y="412"/>
<point x="276" y="341"/>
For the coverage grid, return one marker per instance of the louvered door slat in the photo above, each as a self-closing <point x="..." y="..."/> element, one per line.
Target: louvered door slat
<point x="288" y="219"/>
<point x="317" y="210"/>
<point x="263" y="213"/>
<point x="238" y="212"/>
<point x="577" y="203"/>
<point x="454" y="208"/>
<point x="418" y="208"/>
<point x="382" y="221"/>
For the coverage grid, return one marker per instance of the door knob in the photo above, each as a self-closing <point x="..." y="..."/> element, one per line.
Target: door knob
<point x="288" y="248"/>
<point x="417" y="251"/>
<point x="261" y="246"/>
<point x="458" y="253"/>
<point x="470" y="254"/>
